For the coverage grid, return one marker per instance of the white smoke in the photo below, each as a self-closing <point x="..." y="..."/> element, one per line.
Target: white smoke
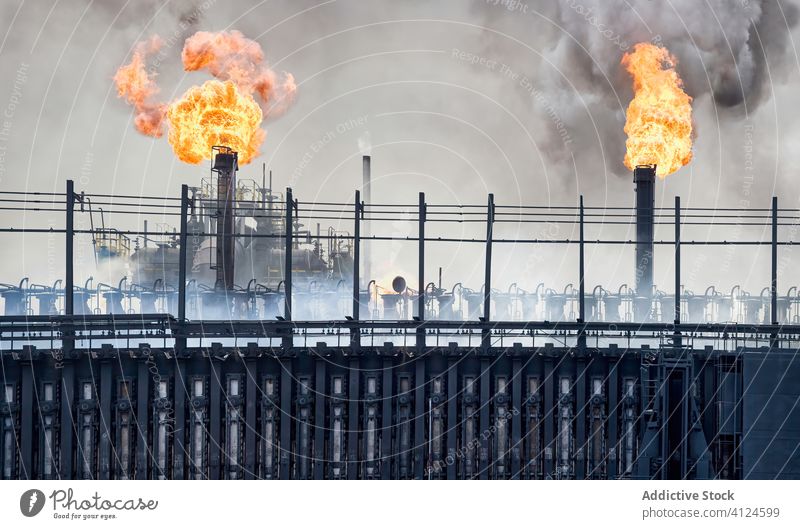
<point x="365" y="143"/>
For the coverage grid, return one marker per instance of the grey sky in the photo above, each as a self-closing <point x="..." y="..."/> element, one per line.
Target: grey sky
<point x="459" y="98"/>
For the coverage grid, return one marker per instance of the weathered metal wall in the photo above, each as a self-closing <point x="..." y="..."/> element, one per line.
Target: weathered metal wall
<point x="454" y="412"/>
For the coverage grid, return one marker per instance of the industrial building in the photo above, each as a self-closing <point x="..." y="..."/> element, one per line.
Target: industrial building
<point x="249" y="344"/>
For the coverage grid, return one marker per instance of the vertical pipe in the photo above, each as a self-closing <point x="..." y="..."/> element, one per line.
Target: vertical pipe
<point x="774" y="282"/>
<point x="644" y="176"/>
<point x="226" y="202"/>
<point x="487" y="278"/>
<point x="287" y="274"/>
<point x="183" y="242"/>
<point x="366" y="174"/>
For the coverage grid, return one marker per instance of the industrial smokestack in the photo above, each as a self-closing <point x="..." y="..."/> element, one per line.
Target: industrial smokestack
<point x="366" y="196"/>
<point x="225" y="165"/>
<point x="644" y="176"/>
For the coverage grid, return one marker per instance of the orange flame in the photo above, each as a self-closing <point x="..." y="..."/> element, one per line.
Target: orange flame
<point x="230" y="56"/>
<point x="659" y="118"/>
<point x="220" y="112"/>
<point x="215" y="113"/>
<point x="138" y="88"/>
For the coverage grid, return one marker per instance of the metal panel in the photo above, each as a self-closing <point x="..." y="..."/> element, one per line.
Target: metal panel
<point x="771" y="412"/>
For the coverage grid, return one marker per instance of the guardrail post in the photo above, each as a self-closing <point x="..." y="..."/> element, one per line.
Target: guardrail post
<point x="677" y="335"/>
<point x="487" y="281"/>
<point x="355" y="333"/>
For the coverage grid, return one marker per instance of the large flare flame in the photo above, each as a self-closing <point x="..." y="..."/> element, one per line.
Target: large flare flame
<point x="219" y="112"/>
<point x="215" y="113"/>
<point x="659" y="118"/>
<point x="138" y="88"/>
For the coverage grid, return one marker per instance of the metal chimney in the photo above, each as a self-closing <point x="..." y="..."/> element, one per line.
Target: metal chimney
<point x="366" y="197"/>
<point x="644" y="176"/>
<point x="225" y="165"/>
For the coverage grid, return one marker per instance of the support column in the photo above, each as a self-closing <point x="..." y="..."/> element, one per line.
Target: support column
<point x="487" y="279"/>
<point x="452" y="417"/>
<point x="179" y="436"/>
<point x="774" y="281"/>
<point x="67" y="435"/>
<point x="422" y="212"/>
<point x="319" y="419"/>
<point x="106" y="432"/>
<point x="548" y="416"/>
<point x="353" y="426"/>
<point x="517" y="381"/>
<point x="581" y="284"/>
<point x="677" y="337"/>
<point x="183" y="248"/>
<point x="581" y="445"/>
<point x="611" y="428"/>
<point x="286" y="419"/>
<point x="387" y="452"/>
<point x="420" y="405"/>
<point x="250" y="440"/>
<point x="287" y="274"/>
<point x="26" y="417"/>
<point x="69" y="279"/>
<point x="68" y="343"/>
<point x="214" y="419"/>
<point x="486" y="402"/>
<point x="355" y="333"/>
<point x="142" y="418"/>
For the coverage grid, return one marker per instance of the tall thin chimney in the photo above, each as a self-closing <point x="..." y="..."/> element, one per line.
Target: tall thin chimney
<point x="644" y="176"/>
<point x="225" y="165"/>
<point x="366" y="197"/>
